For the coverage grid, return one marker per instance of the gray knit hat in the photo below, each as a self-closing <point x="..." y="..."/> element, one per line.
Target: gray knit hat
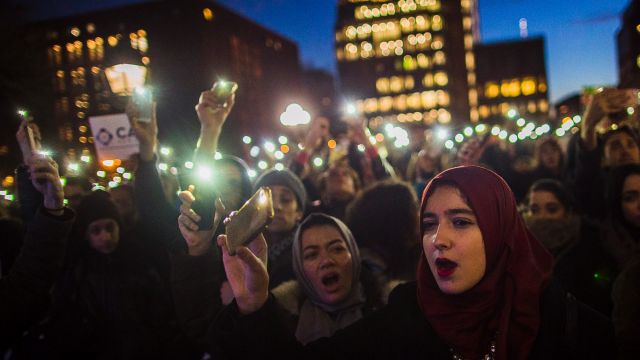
<point x="284" y="178"/>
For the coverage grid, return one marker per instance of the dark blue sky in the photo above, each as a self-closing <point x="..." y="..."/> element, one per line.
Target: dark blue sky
<point x="580" y="34"/>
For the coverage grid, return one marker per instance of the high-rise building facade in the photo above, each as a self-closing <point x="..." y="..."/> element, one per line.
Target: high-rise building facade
<point x="186" y="45"/>
<point x="629" y="47"/>
<point x="409" y="61"/>
<point x="512" y="76"/>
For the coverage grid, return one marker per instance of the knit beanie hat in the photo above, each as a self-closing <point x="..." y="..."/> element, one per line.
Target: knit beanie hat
<point x="97" y="205"/>
<point x="284" y="178"/>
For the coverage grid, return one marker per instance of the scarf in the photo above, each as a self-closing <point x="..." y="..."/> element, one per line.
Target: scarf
<point x="505" y="304"/>
<point x="318" y="319"/>
<point x="558" y="236"/>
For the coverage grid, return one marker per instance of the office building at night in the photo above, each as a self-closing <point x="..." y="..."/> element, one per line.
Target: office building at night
<point x="186" y="46"/>
<point x="512" y="76"/>
<point x="409" y="61"/>
<point x="629" y="47"/>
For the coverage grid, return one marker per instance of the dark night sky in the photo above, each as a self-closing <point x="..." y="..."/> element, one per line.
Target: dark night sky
<point x="580" y="34"/>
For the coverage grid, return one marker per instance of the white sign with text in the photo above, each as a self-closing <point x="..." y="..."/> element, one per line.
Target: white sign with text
<point x="113" y="137"/>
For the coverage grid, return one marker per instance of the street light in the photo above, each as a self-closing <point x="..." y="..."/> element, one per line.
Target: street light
<point x="125" y="71"/>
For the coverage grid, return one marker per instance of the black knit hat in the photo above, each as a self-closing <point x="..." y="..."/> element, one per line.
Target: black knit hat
<point x="284" y="178"/>
<point x="95" y="206"/>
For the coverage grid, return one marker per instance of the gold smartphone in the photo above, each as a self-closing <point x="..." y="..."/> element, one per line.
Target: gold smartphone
<point x="252" y="218"/>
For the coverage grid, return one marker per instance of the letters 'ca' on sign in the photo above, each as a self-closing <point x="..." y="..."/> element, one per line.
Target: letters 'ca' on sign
<point x="113" y="137"/>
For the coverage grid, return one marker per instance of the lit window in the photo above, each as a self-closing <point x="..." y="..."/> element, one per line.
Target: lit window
<point x="351" y="33"/>
<point x="514" y="87"/>
<point x="491" y="90"/>
<point x="531" y="107"/>
<point x="470" y="61"/>
<point x="466" y="4"/>
<point x="400" y="103"/>
<point x="471" y="78"/>
<point x="543" y="105"/>
<point x="382" y="85"/>
<point x="638" y="28"/>
<point x="371" y="105"/>
<point x="528" y="86"/>
<point x="443" y="98"/>
<point x="484" y="111"/>
<point x="638" y="61"/>
<point x="112" y="40"/>
<point x="474" y="115"/>
<point x="441" y="78"/>
<point x="427" y="80"/>
<point x="143" y="44"/>
<point x="421" y="23"/>
<point x="386" y="103"/>
<point x="75" y="31"/>
<point x="444" y="116"/>
<point x="473" y="97"/>
<point x="466" y="23"/>
<point x="439" y="58"/>
<point x="395" y="84"/>
<point x="83" y="139"/>
<point x="413" y="101"/>
<point x="207" y="14"/>
<point x="468" y="42"/>
<point x="438" y="43"/>
<point x="423" y="61"/>
<point x="542" y="86"/>
<point x="429" y="100"/>
<point x="409" y="63"/>
<point x="409" y="83"/>
<point x="436" y="23"/>
<point x="82" y="128"/>
<point x="91" y="28"/>
<point x="146" y="60"/>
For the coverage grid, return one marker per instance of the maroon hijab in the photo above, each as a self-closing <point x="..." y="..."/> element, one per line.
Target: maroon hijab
<point x="505" y="304"/>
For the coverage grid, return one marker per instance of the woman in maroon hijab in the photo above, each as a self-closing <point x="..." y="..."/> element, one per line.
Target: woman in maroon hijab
<point x="483" y="291"/>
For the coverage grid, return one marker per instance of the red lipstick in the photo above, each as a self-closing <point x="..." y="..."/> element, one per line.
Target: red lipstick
<point x="445" y="267"/>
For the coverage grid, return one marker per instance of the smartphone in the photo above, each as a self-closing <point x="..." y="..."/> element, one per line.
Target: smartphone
<point x="252" y="218"/>
<point x="33" y="145"/>
<point x="223" y="89"/>
<point x="205" y="205"/>
<point x="143" y="99"/>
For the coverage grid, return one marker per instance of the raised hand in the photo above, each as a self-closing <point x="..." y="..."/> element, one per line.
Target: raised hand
<point x="247" y="273"/>
<point x="198" y="241"/>
<point x="599" y="105"/>
<point x="146" y="132"/>
<point x="212" y="112"/>
<point x="318" y="131"/>
<point x="23" y="139"/>
<point x="45" y="178"/>
<point x="471" y="151"/>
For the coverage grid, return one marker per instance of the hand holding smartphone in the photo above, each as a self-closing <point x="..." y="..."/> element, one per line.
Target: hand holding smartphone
<point x="250" y="220"/>
<point x="223" y="90"/>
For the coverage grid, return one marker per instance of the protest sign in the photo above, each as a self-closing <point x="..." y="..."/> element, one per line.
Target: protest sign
<point x="113" y="137"/>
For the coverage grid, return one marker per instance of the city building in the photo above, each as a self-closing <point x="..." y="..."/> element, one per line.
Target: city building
<point x="187" y="46"/>
<point x="629" y="47"/>
<point x="409" y="61"/>
<point x="512" y="76"/>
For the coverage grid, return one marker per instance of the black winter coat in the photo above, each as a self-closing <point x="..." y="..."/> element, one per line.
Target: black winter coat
<point x="569" y="330"/>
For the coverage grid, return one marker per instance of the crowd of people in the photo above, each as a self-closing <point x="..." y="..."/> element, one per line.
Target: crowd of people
<point x="493" y="253"/>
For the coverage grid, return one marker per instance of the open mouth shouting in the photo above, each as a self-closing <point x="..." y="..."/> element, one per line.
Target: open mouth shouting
<point x="445" y="267"/>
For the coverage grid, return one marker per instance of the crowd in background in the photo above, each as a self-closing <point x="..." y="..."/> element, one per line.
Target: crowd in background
<point x="128" y="273"/>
